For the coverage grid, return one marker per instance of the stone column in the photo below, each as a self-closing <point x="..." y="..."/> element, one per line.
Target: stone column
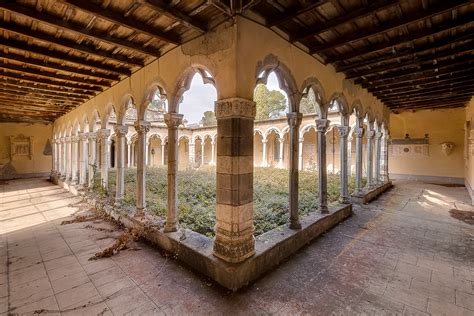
<point x="264" y="155"/>
<point x="384" y="167"/>
<point x="120" y="132"/>
<point x="63" y="158"/>
<point x="69" y="159"/>
<point x="294" y="122"/>
<point x="103" y="135"/>
<point x="370" y="158"/>
<point x="130" y="153"/>
<point x="55" y="170"/>
<point x="343" y="134"/>
<point x="349" y="156"/>
<point x="75" y="156"/>
<point x="213" y="152"/>
<point x="147" y="154"/>
<point x="234" y="241"/>
<point x="192" y="152"/>
<point x="281" y="142"/>
<point x="142" y="127"/>
<point x="300" y="153"/>
<point x="83" y="159"/>
<point x="202" y="152"/>
<point x="322" y="127"/>
<point x="163" y="144"/>
<point x="359" y="133"/>
<point x="92" y="156"/>
<point x="172" y="120"/>
<point x="378" y="157"/>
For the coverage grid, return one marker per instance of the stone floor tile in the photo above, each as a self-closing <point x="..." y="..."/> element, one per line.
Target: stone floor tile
<point x="436" y="291"/>
<point x="76" y="297"/>
<point x="46" y="306"/>
<point x="465" y="300"/>
<point x="69" y="282"/>
<point x="410" y="311"/>
<point x="436" y="307"/>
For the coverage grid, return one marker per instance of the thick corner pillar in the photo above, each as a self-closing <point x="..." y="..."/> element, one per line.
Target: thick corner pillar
<point x="378" y="157"/>
<point x="294" y="122"/>
<point x="83" y="159"/>
<point x="322" y="127"/>
<point x="103" y="135"/>
<point x="343" y="134"/>
<point x="359" y="133"/>
<point x="370" y="156"/>
<point x="120" y="132"/>
<point x="92" y="136"/>
<point x="172" y="120"/>
<point x="142" y="128"/>
<point x="234" y="241"/>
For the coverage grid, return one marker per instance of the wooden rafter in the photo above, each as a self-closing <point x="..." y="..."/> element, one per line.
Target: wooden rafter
<point x="294" y="13"/>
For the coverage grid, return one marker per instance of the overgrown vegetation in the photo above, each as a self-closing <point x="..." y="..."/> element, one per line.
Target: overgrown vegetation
<point x="197" y="196"/>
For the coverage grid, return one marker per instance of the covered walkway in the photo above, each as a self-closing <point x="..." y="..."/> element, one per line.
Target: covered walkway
<point x="404" y="253"/>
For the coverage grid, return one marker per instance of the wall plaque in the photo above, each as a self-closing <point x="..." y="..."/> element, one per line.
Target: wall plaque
<point x="21" y="145"/>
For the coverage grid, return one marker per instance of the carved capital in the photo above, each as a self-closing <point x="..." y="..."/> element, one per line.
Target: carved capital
<point x="378" y="135"/>
<point x="370" y="134"/>
<point x="235" y="107"/>
<point x="142" y="127"/>
<point x="74" y="139"/>
<point x="121" y="130"/>
<point x="62" y="140"/>
<point x="294" y="119"/>
<point x="322" y="125"/>
<point x="264" y="141"/>
<point x="83" y="136"/>
<point x="359" y="132"/>
<point x="173" y="120"/>
<point x="92" y="136"/>
<point x="343" y="131"/>
<point x="103" y="134"/>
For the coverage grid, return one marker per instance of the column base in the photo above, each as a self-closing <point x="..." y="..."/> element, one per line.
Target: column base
<point x="323" y="209"/>
<point x="233" y="249"/>
<point x="139" y="213"/>
<point x="344" y="200"/>
<point x="170" y="227"/>
<point x="294" y="225"/>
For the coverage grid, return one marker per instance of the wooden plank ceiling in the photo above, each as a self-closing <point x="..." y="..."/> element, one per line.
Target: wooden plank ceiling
<point x="57" y="54"/>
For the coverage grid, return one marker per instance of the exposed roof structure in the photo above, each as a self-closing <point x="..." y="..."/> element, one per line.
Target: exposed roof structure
<point x="55" y="55"/>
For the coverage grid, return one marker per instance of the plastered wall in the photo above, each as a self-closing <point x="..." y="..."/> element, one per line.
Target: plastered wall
<point x="469" y="150"/>
<point x="445" y="125"/>
<point x="22" y="165"/>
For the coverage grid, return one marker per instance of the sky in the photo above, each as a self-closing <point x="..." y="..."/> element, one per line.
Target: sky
<point x="201" y="97"/>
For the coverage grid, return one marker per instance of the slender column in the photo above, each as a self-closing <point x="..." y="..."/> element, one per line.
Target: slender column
<point x="172" y="120"/>
<point x="63" y="158"/>
<point x="294" y="122"/>
<point x="213" y="152"/>
<point x="281" y="142"/>
<point x="109" y="152"/>
<point x="54" y="171"/>
<point x="202" y="152"/>
<point x="120" y="132"/>
<point x="69" y="159"/>
<point x="359" y="133"/>
<point x="142" y="127"/>
<point x="92" y="156"/>
<point x="192" y="153"/>
<point x="300" y="154"/>
<point x="322" y="127"/>
<point x="384" y="167"/>
<point x="349" y="156"/>
<point x="234" y="241"/>
<point x="378" y="157"/>
<point x="343" y="134"/>
<point x="83" y="159"/>
<point x="75" y="156"/>
<point x="370" y="154"/>
<point x="130" y="153"/>
<point x="103" y="135"/>
<point x="147" y="154"/>
<point x="133" y="154"/>
<point x="163" y="144"/>
<point x="264" y="155"/>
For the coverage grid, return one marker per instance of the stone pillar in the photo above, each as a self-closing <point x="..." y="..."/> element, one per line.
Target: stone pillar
<point x="343" y="134"/>
<point x="192" y="152"/>
<point x="142" y="127"/>
<point x="370" y="158"/>
<point x="120" y="132"/>
<point x="130" y="153"/>
<point x="147" y="154"/>
<point x="103" y="135"/>
<point x="63" y="158"/>
<point x="163" y="144"/>
<point x="55" y="170"/>
<point x="359" y="133"/>
<point x="384" y="167"/>
<point x="83" y="159"/>
<point x="172" y="120"/>
<point x="300" y="153"/>
<point x="92" y="156"/>
<point x="234" y="241"/>
<point x="213" y="153"/>
<point x="202" y="152"/>
<point x="322" y="127"/>
<point x="349" y="156"/>
<point x="264" y="155"/>
<point x="378" y="157"/>
<point x="69" y="158"/>
<point x="294" y="122"/>
<point x="281" y="142"/>
<point x="75" y="156"/>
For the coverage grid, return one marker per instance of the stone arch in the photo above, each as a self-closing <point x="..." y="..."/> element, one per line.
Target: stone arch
<point x="286" y="81"/>
<point x="185" y="137"/>
<point x="157" y="84"/>
<point x="272" y="129"/>
<point x="369" y="115"/>
<point x="127" y="102"/>
<point x="317" y="87"/>
<point x="357" y="108"/>
<point x="196" y="137"/>
<point x="76" y="127"/>
<point x="342" y="104"/>
<point x="258" y="131"/>
<point x="84" y="123"/>
<point x="93" y="119"/>
<point x="110" y="108"/>
<point x="305" y="129"/>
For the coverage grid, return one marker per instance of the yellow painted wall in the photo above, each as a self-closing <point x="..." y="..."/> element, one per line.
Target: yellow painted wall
<point x="445" y="125"/>
<point x="23" y="164"/>
<point x="469" y="141"/>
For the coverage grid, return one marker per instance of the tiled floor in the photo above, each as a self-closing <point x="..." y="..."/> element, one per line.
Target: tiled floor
<point x="404" y="254"/>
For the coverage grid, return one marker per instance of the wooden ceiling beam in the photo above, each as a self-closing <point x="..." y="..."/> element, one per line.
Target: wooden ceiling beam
<point x="28" y="91"/>
<point x="55" y="66"/>
<point x="37" y="104"/>
<point x="440" y="101"/>
<point x="42" y="87"/>
<point x="118" y="18"/>
<point x="66" y="43"/>
<point x="37" y="99"/>
<point x="431" y="96"/>
<point x="353" y="15"/>
<point x="417" y="16"/>
<point x="429" y="107"/>
<point x="294" y="12"/>
<point x="431" y="88"/>
<point x="75" y="28"/>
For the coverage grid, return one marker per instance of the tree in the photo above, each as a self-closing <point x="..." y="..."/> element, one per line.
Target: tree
<point x="270" y="103"/>
<point x="308" y="103"/>
<point x="208" y="118"/>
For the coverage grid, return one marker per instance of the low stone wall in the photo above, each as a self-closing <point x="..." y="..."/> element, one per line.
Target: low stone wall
<point x="368" y="195"/>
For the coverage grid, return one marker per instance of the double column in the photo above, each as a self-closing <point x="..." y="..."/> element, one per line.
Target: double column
<point x="322" y="127"/>
<point x="142" y="128"/>
<point x="294" y="122"/>
<point x="83" y="159"/>
<point x="92" y="136"/>
<point x="378" y="157"/>
<point x="172" y="120"/>
<point x="370" y="155"/>
<point x="103" y="136"/>
<point x="120" y="132"/>
<point x="63" y="166"/>
<point x="359" y="133"/>
<point x="68" y="159"/>
<point x="75" y="160"/>
<point x="384" y="165"/>
<point x="343" y="134"/>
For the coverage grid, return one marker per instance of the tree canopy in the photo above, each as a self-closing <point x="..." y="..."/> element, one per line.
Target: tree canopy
<point x="270" y="103"/>
<point x="208" y="118"/>
<point x="308" y="103"/>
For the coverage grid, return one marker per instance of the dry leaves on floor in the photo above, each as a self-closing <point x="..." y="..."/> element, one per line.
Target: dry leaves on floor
<point x="124" y="241"/>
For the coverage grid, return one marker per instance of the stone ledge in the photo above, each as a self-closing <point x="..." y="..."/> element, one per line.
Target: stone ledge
<point x="368" y="195"/>
<point x="195" y="249"/>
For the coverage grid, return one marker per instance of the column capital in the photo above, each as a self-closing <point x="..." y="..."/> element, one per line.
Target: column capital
<point x="83" y="136"/>
<point x="281" y="140"/>
<point x="173" y="120"/>
<point x="264" y="140"/>
<point x="294" y="119"/>
<point x="322" y="125"/>
<point x="92" y="136"/>
<point x="142" y="127"/>
<point x="359" y="132"/>
<point x="74" y="139"/>
<point x="235" y="107"/>
<point x="378" y="135"/>
<point x="121" y="130"/>
<point x="370" y="134"/>
<point x="343" y="131"/>
<point x="103" y="133"/>
<point x="62" y="140"/>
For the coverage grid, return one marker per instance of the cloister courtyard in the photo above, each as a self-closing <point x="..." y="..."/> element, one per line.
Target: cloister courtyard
<point x="236" y="157"/>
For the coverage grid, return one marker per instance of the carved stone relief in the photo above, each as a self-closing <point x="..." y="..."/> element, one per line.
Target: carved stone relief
<point x="21" y="145"/>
